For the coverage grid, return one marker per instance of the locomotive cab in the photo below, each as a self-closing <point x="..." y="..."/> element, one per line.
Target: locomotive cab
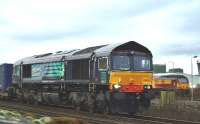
<point x="130" y="80"/>
<point x="131" y="73"/>
<point x="128" y="72"/>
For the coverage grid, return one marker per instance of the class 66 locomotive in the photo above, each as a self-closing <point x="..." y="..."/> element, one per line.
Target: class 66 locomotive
<point x="112" y="78"/>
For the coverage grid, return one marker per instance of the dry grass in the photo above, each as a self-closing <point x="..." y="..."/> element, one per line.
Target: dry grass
<point x="62" y="120"/>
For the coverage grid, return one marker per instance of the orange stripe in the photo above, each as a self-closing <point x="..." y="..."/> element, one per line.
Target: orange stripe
<point x="132" y="88"/>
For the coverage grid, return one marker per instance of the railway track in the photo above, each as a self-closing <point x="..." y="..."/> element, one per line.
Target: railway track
<point x="52" y="112"/>
<point x="167" y="120"/>
<point x="42" y="110"/>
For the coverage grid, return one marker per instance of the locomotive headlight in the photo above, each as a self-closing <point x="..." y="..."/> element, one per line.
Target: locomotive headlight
<point x="147" y="87"/>
<point x="117" y="86"/>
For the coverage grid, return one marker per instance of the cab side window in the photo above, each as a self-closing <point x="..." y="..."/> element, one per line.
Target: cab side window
<point x="17" y="70"/>
<point x="103" y="63"/>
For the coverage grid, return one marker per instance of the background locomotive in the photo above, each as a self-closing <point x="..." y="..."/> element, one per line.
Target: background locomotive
<point x="172" y="81"/>
<point x="110" y="78"/>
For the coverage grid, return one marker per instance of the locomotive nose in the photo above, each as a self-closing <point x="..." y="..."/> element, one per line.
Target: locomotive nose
<point x="130" y="81"/>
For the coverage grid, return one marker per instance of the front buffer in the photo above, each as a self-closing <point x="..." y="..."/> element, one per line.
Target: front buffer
<point x="128" y="103"/>
<point x="124" y="103"/>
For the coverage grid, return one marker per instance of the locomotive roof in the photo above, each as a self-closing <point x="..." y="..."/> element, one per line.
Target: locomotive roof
<point x="131" y="45"/>
<point x="106" y="50"/>
<point x="103" y="50"/>
<point x="169" y="74"/>
<point x="84" y="53"/>
<point x="47" y="57"/>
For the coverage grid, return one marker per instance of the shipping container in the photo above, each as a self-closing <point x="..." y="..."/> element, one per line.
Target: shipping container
<point x="6" y="71"/>
<point x="198" y="65"/>
<point x="159" y="68"/>
<point x="176" y="70"/>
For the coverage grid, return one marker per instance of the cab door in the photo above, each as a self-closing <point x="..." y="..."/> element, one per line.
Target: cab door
<point x="103" y="70"/>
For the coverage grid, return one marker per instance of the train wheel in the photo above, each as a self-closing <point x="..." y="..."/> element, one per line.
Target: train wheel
<point x="134" y="108"/>
<point x="35" y="102"/>
<point x="133" y="111"/>
<point x="21" y="97"/>
<point x="91" y="108"/>
<point x="145" y="103"/>
<point x="106" y="109"/>
<point x="91" y="103"/>
<point x="78" y="108"/>
<point x="30" y="100"/>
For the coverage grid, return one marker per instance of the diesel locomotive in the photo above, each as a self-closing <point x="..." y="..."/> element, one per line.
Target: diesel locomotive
<point x="171" y="81"/>
<point x="114" y="78"/>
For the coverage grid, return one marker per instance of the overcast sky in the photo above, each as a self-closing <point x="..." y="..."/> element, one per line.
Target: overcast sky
<point x="170" y="29"/>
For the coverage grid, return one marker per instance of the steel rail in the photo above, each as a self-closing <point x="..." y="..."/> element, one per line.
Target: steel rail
<point x="167" y="120"/>
<point x="95" y="118"/>
<point x="53" y="113"/>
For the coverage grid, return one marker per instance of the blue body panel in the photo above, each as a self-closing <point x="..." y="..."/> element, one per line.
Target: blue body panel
<point x="6" y="71"/>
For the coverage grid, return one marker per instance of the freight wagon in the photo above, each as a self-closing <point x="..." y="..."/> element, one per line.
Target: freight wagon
<point x="6" y="71"/>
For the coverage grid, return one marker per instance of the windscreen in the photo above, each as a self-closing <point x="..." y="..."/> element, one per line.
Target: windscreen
<point x="183" y="80"/>
<point x="131" y="63"/>
<point x="142" y="63"/>
<point x="121" y="62"/>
